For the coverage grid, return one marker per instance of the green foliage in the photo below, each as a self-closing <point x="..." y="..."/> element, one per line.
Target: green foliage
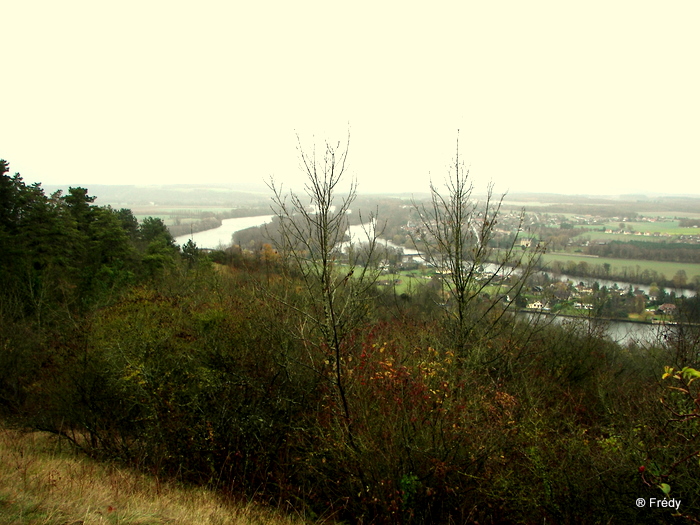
<point x="62" y="254"/>
<point x="673" y="463"/>
<point x="178" y="383"/>
<point x="196" y="376"/>
<point x="175" y="364"/>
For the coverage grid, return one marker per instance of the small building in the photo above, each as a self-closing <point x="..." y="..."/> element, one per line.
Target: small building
<point x="583" y="306"/>
<point x="667" y="309"/>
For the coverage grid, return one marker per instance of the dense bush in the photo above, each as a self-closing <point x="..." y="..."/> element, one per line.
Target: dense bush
<point x="213" y="374"/>
<point x="200" y="378"/>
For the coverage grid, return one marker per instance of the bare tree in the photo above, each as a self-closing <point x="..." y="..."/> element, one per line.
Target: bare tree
<point x="312" y="239"/>
<point x="458" y="237"/>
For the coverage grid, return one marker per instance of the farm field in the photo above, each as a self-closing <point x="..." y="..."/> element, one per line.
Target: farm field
<point x="171" y="214"/>
<point x="177" y="210"/>
<point x="670" y="227"/>
<point x="618" y="265"/>
<point x="597" y="235"/>
<point x="409" y="280"/>
<point x="188" y="214"/>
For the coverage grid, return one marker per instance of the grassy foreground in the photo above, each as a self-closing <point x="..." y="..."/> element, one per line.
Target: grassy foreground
<point x="43" y="482"/>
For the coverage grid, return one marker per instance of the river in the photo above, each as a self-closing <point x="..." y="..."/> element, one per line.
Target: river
<point x="221" y="237"/>
<point x="621" y="332"/>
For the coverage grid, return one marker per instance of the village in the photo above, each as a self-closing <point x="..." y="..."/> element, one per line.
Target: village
<point x="615" y="302"/>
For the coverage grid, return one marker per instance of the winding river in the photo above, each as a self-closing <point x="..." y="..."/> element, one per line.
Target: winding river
<point x="621" y="332"/>
<point x="220" y="237"/>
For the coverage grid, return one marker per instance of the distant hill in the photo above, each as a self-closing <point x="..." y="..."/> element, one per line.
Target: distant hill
<point x="170" y="195"/>
<point x="251" y="194"/>
<point x="602" y="204"/>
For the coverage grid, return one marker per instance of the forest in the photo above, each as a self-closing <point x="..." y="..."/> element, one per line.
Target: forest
<point x="285" y="374"/>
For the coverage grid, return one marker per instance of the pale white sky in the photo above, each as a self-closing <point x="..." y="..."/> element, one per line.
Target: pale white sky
<point x="572" y="97"/>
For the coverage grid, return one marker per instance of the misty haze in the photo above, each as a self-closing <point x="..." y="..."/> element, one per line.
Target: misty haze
<point x="378" y="264"/>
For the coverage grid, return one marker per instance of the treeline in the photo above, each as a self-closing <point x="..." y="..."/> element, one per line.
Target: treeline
<point x="61" y="253"/>
<point x="394" y="214"/>
<point x="689" y="223"/>
<point x="220" y="374"/>
<point x="557" y="239"/>
<point x="199" y="225"/>
<point x="647" y="250"/>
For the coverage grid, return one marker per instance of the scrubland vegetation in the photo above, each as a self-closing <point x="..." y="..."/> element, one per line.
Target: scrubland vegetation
<point x="44" y="481"/>
<point x="284" y="376"/>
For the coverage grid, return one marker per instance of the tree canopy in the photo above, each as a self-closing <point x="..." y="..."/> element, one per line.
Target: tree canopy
<point x="64" y="250"/>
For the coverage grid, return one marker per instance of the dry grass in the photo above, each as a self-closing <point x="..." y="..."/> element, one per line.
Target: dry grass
<point x="42" y="482"/>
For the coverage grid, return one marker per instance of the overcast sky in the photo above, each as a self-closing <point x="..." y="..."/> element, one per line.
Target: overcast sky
<point x="586" y="97"/>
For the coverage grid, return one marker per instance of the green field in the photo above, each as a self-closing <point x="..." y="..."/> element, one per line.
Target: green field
<point x="662" y="230"/>
<point x="617" y="265"/>
<point x="594" y="235"/>
<point x="177" y="211"/>
<point x="670" y="227"/>
<point x="185" y="214"/>
<point x="410" y="280"/>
